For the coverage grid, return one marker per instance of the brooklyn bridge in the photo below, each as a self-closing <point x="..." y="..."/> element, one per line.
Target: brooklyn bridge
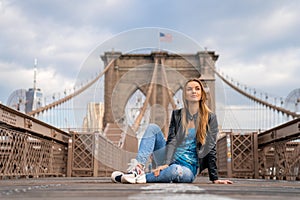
<point x="77" y="140"/>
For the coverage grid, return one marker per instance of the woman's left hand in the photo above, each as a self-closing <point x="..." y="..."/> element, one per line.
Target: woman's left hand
<point x="222" y="182"/>
<point x="158" y="169"/>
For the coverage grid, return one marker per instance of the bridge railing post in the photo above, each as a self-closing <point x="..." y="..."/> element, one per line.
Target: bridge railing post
<point x="255" y="154"/>
<point x="229" y="154"/>
<point x="224" y="156"/>
<point x="70" y="156"/>
<point x="95" y="154"/>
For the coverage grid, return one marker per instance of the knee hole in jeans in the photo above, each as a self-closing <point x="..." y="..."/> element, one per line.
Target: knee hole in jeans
<point x="178" y="171"/>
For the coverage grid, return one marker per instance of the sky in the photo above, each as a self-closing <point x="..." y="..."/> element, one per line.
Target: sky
<point x="257" y="41"/>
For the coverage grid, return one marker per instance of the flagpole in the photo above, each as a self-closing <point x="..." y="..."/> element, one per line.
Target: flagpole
<point x="158" y="40"/>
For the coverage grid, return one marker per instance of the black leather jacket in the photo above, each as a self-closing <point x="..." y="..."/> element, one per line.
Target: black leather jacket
<point x="206" y="153"/>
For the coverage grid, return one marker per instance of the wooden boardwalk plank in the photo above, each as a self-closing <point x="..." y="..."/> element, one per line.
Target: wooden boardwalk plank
<point x="102" y="188"/>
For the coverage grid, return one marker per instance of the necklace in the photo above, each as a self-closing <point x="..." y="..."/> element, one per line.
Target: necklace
<point x="192" y="117"/>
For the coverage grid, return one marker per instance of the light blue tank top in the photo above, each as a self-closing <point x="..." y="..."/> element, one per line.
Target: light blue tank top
<point x="186" y="152"/>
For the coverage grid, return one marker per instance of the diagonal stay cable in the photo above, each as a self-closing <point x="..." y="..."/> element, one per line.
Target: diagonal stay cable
<point x="165" y="80"/>
<point x="146" y="102"/>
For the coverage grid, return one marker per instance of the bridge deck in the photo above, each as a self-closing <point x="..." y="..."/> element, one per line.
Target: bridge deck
<point x="102" y="188"/>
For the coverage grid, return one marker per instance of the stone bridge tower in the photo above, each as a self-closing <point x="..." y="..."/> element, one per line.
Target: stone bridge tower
<point x="158" y="76"/>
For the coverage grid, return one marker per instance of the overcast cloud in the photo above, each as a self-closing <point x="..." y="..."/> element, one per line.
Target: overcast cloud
<point x="257" y="41"/>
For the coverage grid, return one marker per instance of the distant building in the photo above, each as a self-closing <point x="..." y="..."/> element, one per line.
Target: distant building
<point x="94" y="118"/>
<point x="34" y="99"/>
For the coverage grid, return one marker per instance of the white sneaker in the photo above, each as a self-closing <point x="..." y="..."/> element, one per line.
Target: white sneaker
<point x="136" y="173"/>
<point x="128" y="178"/>
<point x="141" y="178"/>
<point x="116" y="177"/>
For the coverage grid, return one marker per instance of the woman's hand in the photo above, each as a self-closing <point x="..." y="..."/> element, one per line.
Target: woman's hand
<point x="222" y="182"/>
<point x="158" y="169"/>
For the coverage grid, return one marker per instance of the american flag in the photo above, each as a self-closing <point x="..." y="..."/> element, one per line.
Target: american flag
<point x="165" y="37"/>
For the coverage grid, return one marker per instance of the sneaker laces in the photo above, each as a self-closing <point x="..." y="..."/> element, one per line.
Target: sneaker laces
<point x="135" y="167"/>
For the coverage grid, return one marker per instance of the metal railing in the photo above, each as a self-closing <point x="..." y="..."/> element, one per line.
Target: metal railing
<point x="94" y="155"/>
<point x="30" y="148"/>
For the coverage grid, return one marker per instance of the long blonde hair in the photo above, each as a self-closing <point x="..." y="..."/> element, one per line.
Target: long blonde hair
<point x="203" y="112"/>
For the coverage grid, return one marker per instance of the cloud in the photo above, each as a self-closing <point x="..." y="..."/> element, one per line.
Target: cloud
<point x="271" y="72"/>
<point x="104" y="13"/>
<point x="248" y="29"/>
<point x="60" y="50"/>
<point x="253" y="39"/>
<point x="52" y="82"/>
<point x="279" y="22"/>
<point x="14" y="76"/>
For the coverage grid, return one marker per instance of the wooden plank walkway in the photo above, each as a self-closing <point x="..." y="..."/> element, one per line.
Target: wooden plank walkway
<point x="102" y="188"/>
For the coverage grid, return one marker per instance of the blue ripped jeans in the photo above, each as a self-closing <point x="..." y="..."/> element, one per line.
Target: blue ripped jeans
<point x="153" y="142"/>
